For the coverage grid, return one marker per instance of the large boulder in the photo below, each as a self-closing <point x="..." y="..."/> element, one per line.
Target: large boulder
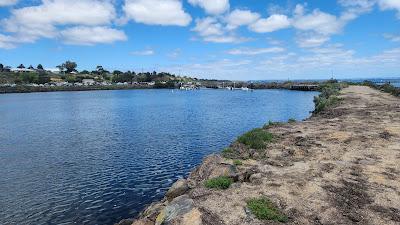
<point x="143" y="222"/>
<point x="175" y="209"/>
<point x="193" y="217"/>
<point x="213" y="166"/>
<point x="178" y="188"/>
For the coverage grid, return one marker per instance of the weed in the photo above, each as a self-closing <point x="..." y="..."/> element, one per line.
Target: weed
<point x="256" y="139"/>
<point x="263" y="209"/>
<point x="218" y="183"/>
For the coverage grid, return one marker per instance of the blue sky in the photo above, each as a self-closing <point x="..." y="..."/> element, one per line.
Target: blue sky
<point x="238" y="40"/>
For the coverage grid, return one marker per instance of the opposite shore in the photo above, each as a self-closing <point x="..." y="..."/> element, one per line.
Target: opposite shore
<point x="338" y="167"/>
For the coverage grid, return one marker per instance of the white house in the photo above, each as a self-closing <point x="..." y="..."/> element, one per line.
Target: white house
<point x="21" y="70"/>
<point x="54" y="70"/>
<point x="88" y="82"/>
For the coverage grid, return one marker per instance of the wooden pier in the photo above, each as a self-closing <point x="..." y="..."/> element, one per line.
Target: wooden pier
<point x="304" y="87"/>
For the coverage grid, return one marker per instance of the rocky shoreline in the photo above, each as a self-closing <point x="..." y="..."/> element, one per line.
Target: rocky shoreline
<point x="340" y="166"/>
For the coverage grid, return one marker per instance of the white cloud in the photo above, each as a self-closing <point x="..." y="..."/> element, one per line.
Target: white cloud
<point x="318" y="22"/>
<point x="240" y="18"/>
<point x="225" y="39"/>
<point x="8" y="2"/>
<point x="271" y="24"/>
<point x="6" y="42"/>
<point x="82" y="35"/>
<point x="256" y="51"/>
<point x="311" y="40"/>
<point x="390" y="5"/>
<point x="146" y="52"/>
<point x="392" y="37"/>
<point x="214" y="7"/>
<point x="53" y="12"/>
<point x="175" y="53"/>
<point x="213" y="31"/>
<point x="316" y="28"/>
<point x="157" y="12"/>
<point x="208" y="27"/>
<point x="28" y="24"/>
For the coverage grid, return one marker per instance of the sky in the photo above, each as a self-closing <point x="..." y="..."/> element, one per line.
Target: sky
<point x="218" y="39"/>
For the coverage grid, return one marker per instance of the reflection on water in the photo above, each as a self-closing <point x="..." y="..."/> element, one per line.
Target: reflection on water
<point x="97" y="157"/>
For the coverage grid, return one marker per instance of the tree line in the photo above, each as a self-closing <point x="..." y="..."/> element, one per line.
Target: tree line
<point x="69" y="73"/>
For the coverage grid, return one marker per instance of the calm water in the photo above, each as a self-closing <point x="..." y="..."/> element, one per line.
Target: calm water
<point x="97" y="157"/>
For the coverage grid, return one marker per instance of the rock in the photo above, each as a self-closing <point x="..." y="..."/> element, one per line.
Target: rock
<point x="191" y="218"/>
<point x="142" y="222"/>
<point x="255" y="177"/>
<point x="126" y="222"/>
<point x="199" y="192"/>
<point x="212" y="167"/>
<point x="178" y="188"/>
<point x="161" y="218"/>
<point x="152" y="211"/>
<point x="245" y="176"/>
<point x="178" y="207"/>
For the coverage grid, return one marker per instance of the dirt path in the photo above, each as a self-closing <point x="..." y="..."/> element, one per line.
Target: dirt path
<point x="340" y="167"/>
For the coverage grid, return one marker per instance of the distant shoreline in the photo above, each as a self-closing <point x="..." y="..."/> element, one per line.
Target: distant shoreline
<point x="32" y="89"/>
<point x="36" y="89"/>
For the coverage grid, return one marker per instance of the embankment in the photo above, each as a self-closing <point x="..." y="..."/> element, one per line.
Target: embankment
<point x="341" y="166"/>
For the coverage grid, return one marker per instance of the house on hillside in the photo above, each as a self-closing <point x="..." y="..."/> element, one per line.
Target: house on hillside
<point x="22" y="70"/>
<point x="88" y="82"/>
<point x="53" y="70"/>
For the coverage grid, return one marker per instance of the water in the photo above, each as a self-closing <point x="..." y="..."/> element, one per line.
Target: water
<point x="101" y="156"/>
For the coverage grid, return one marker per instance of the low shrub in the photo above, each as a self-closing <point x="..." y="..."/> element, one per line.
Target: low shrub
<point x="228" y="153"/>
<point x="291" y="120"/>
<point x="328" y="96"/>
<point x="271" y="124"/>
<point x="256" y="139"/>
<point x="237" y="162"/>
<point x="263" y="209"/>
<point x="218" y="183"/>
<point x="388" y="88"/>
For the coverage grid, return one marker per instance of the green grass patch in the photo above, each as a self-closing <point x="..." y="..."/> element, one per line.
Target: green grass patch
<point x="256" y="139"/>
<point x="322" y="103"/>
<point x="263" y="209"/>
<point x="228" y="153"/>
<point x="328" y="96"/>
<point x="237" y="162"/>
<point x="272" y="124"/>
<point x="218" y="183"/>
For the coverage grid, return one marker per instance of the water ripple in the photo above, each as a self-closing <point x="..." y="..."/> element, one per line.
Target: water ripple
<point x="98" y="157"/>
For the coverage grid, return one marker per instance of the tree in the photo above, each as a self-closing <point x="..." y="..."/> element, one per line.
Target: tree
<point x="40" y="67"/>
<point x="1" y="67"/>
<point x="61" y="67"/>
<point x="99" y="70"/>
<point x="70" y="66"/>
<point x="21" y="66"/>
<point x="31" y="67"/>
<point x="85" y="72"/>
<point x="117" y="72"/>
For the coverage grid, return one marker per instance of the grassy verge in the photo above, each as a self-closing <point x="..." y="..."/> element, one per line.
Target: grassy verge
<point x="388" y="88"/>
<point x="256" y="139"/>
<point x="328" y="97"/>
<point x="237" y="162"/>
<point x="263" y="209"/>
<point x="218" y="183"/>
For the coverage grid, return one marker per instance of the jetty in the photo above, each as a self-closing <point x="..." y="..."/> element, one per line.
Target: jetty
<point x="304" y="87"/>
